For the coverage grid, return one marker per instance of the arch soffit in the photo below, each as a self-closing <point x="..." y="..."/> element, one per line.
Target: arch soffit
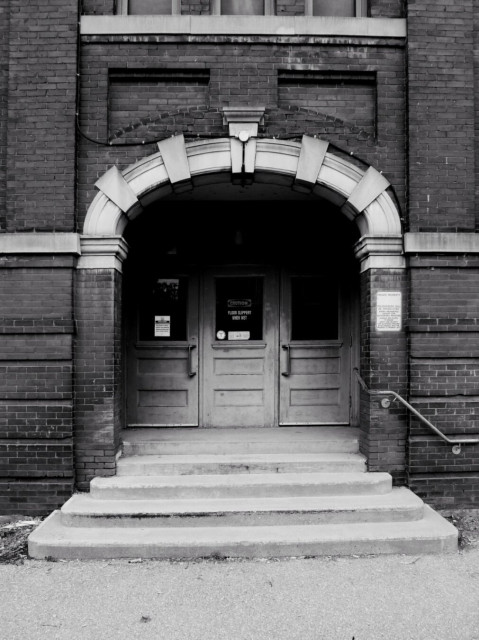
<point x="361" y="195"/>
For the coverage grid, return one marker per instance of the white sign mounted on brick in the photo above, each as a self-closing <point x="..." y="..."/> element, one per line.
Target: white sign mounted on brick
<point x="388" y="311"/>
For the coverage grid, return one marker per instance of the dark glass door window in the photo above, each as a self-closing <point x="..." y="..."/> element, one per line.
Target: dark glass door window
<point x="149" y="7"/>
<point x="314" y="308"/>
<point x="334" y="8"/>
<point x="242" y="7"/>
<point x="163" y="310"/>
<point x="239" y="308"/>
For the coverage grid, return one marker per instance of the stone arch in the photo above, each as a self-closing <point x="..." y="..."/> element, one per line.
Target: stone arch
<point x="362" y="196"/>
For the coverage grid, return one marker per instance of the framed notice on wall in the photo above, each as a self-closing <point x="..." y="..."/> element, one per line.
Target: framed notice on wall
<point x="388" y="311"/>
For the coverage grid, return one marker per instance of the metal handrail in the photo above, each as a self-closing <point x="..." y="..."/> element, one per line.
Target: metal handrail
<point x="385" y="403"/>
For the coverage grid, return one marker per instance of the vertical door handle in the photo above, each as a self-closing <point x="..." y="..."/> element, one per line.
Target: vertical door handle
<point x="287" y="348"/>
<point x="191" y="370"/>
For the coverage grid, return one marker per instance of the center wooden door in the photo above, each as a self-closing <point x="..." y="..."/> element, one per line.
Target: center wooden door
<point x="240" y="347"/>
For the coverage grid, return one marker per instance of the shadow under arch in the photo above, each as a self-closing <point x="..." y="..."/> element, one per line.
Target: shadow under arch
<point x="307" y="169"/>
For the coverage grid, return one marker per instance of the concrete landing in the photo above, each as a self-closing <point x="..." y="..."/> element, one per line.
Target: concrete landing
<point x="195" y="440"/>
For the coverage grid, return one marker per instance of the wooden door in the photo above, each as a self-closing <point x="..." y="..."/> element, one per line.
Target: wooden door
<point x="240" y="345"/>
<point x="163" y="353"/>
<point x="315" y="350"/>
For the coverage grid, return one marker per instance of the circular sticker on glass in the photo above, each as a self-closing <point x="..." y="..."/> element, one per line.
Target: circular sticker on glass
<point x="221" y="335"/>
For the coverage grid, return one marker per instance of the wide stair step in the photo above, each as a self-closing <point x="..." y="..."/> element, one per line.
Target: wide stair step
<point x="399" y="505"/>
<point x="431" y="534"/>
<point x="146" y="465"/>
<point x="240" y="485"/>
<point x="242" y="493"/>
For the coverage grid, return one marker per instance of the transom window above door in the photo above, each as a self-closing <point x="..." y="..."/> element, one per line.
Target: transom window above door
<point x="345" y="8"/>
<point x="149" y="7"/>
<point x="339" y="8"/>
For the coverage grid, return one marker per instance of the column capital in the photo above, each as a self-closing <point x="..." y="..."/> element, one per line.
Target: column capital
<point x="102" y="252"/>
<point x="380" y="252"/>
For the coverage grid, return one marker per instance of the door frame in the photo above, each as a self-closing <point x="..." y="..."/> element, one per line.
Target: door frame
<point x="270" y="330"/>
<point x="275" y="276"/>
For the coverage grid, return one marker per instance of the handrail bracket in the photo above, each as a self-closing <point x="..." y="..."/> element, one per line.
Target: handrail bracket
<point x="456" y="443"/>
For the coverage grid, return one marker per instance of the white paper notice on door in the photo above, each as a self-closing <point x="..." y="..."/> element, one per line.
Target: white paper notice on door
<point x="388" y="314"/>
<point x="238" y="335"/>
<point x="162" y="326"/>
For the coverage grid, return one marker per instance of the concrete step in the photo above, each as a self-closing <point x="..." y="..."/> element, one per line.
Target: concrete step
<point x="240" y="485"/>
<point x="148" y="465"/>
<point x="399" y="505"/>
<point x="431" y="534"/>
<point x="186" y="441"/>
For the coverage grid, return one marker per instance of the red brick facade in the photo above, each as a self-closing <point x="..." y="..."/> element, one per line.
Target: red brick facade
<point x="405" y="106"/>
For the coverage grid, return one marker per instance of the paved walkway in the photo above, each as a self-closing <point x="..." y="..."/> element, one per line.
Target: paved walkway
<point x="371" y="598"/>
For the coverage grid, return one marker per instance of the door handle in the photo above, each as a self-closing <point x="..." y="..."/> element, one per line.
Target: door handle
<point x="191" y="371"/>
<point x="287" y="348"/>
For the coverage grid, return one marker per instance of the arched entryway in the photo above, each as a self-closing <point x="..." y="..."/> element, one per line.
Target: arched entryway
<point x="240" y="314"/>
<point x="335" y="195"/>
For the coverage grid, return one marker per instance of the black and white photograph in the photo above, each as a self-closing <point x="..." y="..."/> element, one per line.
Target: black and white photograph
<point x="239" y="320"/>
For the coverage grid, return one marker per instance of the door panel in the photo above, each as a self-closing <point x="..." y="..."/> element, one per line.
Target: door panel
<point x="315" y="359"/>
<point x="239" y="347"/>
<point x="163" y="380"/>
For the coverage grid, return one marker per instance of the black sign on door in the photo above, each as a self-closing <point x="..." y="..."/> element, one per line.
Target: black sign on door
<point x="239" y="309"/>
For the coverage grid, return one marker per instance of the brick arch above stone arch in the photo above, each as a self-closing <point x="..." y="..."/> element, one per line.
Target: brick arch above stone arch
<point x="361" y="195"/>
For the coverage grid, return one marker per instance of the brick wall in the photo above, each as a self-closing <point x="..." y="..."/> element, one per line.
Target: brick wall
<point x="36" y="394"/>
<point x="344" y="101"/>
<point x="41" y="115"/>
<point x="441" y="115"/>
<point x="4" y="39"/>
<point x="138" y="99"/>
<point x="98" y="373"/>
<point x="239" y="73"/>
<point x="444" y="336"/>
<point x="444" y="367"/>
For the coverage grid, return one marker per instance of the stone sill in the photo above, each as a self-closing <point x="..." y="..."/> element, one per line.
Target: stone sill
<point x="243" y="25"/>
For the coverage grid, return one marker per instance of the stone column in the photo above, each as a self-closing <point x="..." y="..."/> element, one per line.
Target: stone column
<point x="383" y="354"/>
<point x="98" y="357"/>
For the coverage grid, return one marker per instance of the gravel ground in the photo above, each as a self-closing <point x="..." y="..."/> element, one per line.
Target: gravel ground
<point x="393" y="597"/>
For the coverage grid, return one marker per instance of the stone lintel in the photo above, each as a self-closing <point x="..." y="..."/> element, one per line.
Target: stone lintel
<point x="277" y="26"/>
